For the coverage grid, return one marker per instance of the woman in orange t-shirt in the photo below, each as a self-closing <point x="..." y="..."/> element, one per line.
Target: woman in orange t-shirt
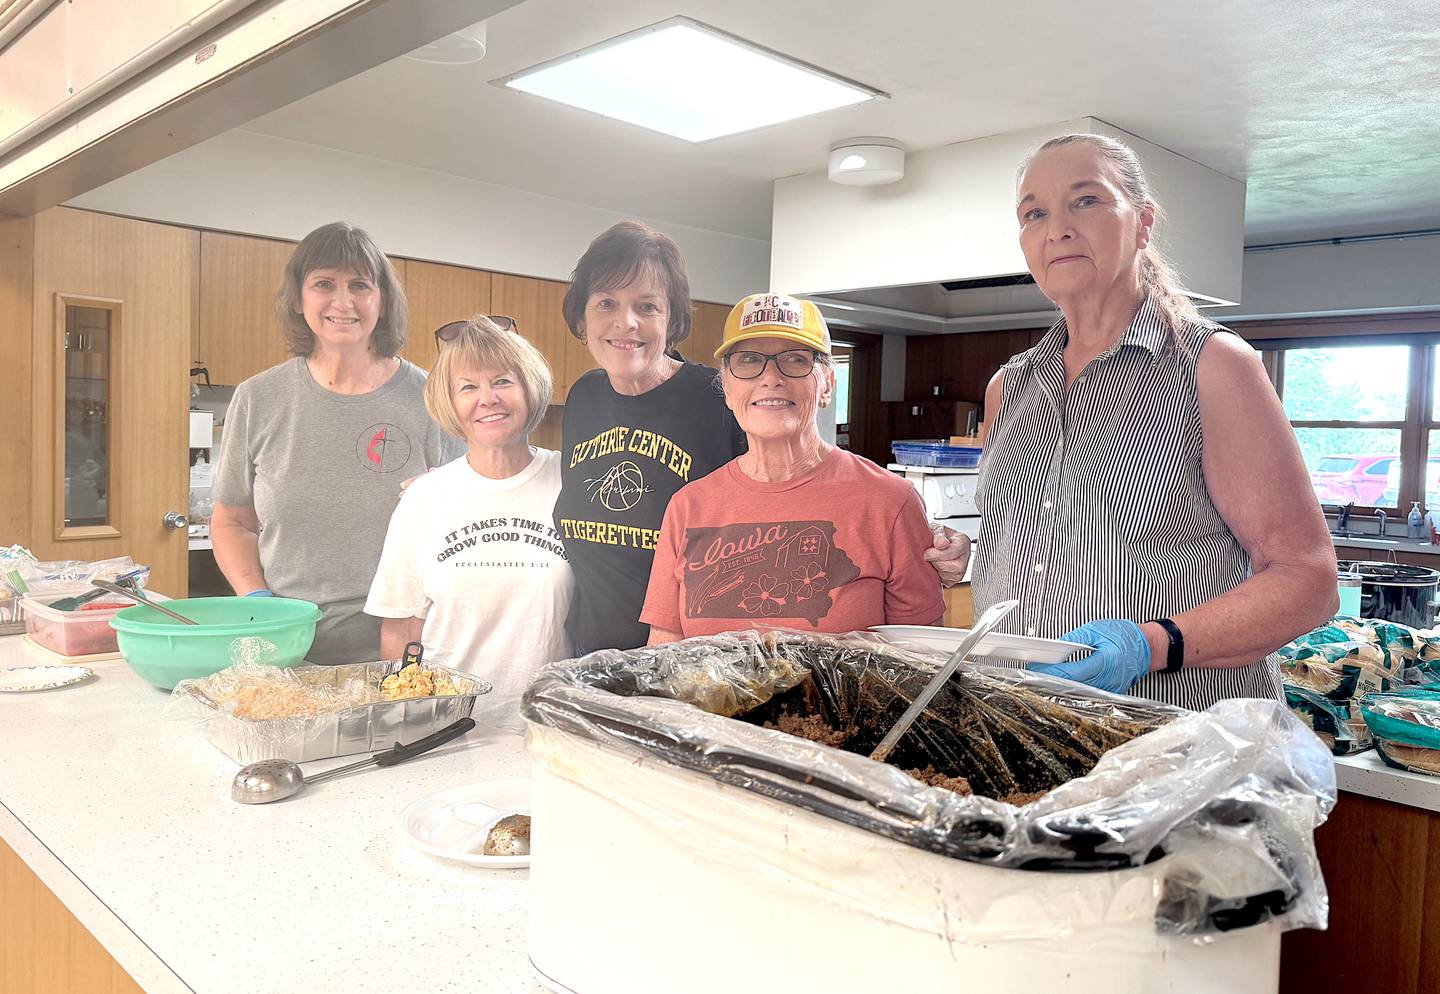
<point x="795" y="532"/>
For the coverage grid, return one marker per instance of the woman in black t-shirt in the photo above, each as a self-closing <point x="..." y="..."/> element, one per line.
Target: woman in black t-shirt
<point x="636" y="430"/>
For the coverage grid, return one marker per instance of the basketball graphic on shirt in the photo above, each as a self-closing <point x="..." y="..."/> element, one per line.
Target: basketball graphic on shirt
<point x="383" y="447"/>
<point x="764" y="570"/>
<point x="621" y="487"/>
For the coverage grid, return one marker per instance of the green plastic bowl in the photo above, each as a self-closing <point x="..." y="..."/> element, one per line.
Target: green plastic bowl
<point x="164" y="651"/>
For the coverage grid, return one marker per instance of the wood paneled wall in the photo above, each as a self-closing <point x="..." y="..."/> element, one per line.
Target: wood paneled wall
<point x="869" y="418"/>
<point x="960" y="365"/>
<point x="16" y="309"/>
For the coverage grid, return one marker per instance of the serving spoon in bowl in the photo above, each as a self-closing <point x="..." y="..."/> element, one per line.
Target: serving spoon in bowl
<point x="142" y="599"/>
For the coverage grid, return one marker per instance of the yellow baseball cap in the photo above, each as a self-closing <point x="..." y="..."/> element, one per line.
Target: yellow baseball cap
<point x="775" y="315"/>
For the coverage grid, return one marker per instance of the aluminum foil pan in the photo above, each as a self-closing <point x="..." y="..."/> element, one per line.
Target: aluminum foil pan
<point x="371" y="728"/>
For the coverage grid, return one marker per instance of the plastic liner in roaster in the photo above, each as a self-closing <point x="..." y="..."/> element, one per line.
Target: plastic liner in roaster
<point x="1231" y="795"/>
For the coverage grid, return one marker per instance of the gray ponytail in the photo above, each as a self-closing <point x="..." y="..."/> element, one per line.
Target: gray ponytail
<point x="1157" y="275"/>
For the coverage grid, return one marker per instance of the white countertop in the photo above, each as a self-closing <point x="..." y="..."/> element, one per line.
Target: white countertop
<point x="1366" y="773"/>
<point x="123" y="810"/>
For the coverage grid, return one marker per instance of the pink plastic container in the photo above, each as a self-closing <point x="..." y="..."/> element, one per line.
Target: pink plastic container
<point x="73" y="633"/>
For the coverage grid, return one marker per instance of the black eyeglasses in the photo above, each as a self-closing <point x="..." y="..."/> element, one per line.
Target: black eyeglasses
<point x="450" y="332"/>
<point x="794" y="363"/>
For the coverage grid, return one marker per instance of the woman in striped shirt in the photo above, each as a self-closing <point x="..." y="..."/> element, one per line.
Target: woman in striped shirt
<point x="1142" y="491"/>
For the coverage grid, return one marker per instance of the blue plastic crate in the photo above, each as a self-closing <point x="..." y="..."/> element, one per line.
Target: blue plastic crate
<point x="935" y="453"/>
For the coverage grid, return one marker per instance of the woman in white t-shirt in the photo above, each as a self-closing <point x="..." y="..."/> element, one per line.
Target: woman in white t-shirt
<point x="472" y="566"/>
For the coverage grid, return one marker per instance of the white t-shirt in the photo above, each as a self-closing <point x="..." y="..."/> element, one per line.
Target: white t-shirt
<point x="480" y="561"/>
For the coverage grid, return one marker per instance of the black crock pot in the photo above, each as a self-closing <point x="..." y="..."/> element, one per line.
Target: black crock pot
<point x="1396" y="592"/>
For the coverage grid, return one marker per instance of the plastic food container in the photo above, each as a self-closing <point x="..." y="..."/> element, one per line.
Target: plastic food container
<point x="83" y="632"/>
<point x="927" y="453"/>
<point x="164" y="651"/>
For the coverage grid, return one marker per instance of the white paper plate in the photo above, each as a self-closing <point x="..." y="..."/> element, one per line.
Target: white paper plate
<point x="1022" y="648"/>
<point x="22" y="678"/>
<point x="453" y="824"/>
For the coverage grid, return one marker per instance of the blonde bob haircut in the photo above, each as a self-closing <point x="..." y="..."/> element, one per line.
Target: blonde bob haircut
<point x="341" y="245"/>
<point x="481" y="347"/>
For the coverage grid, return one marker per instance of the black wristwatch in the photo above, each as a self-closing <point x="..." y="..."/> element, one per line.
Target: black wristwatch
<point x="1175" y="657"/>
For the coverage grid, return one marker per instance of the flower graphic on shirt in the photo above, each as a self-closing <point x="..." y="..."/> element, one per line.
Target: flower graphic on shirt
<point x="765" y="596"/>
<point x="808" y="580"/>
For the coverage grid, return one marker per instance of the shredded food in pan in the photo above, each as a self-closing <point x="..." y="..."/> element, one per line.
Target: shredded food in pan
<point x="413" y="681"/>
<point x="261" y="693"/>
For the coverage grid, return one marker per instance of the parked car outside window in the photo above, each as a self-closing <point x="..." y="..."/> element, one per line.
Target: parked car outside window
<point x="1363" y="479"/>
<point x="1431" y="499"/>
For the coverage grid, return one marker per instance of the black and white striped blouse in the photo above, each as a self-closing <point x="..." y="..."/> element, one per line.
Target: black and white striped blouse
<point x="1094" y="505"/>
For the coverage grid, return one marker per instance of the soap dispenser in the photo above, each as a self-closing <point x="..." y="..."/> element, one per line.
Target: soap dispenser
<point x="1416" y="522"/>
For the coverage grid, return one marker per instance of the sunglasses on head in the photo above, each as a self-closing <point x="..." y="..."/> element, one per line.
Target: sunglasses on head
<point x="450" y="332"/>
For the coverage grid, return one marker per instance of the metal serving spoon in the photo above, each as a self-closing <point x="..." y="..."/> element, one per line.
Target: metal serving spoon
<point x="140" y="598"/>
<point x="276" y="779"/>
<point x="987" y="621"/>
<point x="73" y="603"/>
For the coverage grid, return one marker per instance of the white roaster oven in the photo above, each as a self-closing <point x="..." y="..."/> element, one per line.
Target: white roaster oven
<point x="678" y="850"/>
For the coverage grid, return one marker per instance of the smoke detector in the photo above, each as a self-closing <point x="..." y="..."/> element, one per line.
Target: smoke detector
<point x="867" y="161"/>
<point x="458" y="49"/>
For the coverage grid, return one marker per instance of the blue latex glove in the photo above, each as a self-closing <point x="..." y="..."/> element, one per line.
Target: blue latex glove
<point x="1121" y="656"/>
<point x="262" y="592"/>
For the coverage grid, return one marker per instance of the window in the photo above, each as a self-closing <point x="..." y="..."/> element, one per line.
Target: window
<point x="87" y="417"/>
<point x="1367" y="416"/>
<point x="842" y="385"/>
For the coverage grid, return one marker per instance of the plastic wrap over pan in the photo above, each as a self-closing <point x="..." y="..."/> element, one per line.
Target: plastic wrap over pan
<point x="1038" y="773"/>
<point x="355" y="719"/>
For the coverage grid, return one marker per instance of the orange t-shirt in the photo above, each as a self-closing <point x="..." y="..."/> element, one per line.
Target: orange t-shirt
<point x="838" y="550"/>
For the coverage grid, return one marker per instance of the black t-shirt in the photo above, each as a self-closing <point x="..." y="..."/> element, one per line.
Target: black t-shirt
<point x="622" y="460"/>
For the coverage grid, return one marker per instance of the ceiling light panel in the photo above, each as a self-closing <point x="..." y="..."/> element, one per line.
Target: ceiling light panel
<point x="686" y="79"/>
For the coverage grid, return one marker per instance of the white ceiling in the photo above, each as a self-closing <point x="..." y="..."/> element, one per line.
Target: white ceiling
<point x="1329" y="110"/>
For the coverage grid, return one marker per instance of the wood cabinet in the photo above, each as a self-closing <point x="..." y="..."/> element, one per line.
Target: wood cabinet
<point x="437" y="295"/>
<point x="959" y="606"/>
<point x="536" y="307"/>
<point x="706" y="333"/>
<point x="1381" y="863"/>
<point x="238" y="335"/>
<point x="43" y="947"/>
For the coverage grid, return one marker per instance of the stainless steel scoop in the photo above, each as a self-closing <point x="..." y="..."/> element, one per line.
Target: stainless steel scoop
<point x="987" y="621"/>
<point x="142" y="599"/>
<point x="276" y="779"/>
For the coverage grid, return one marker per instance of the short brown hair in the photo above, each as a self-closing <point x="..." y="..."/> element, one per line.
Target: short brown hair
<point x="617" y="257"/>
<point x="482" y="345"/>
<point x="341" y="245"/>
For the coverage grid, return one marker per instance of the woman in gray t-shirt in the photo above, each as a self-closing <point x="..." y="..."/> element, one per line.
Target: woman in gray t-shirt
<point x="314" y="450"/>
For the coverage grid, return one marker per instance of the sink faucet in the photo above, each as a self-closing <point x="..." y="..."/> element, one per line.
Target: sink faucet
<point x="1380" y="514"/>
<point x="1342" y="519"/>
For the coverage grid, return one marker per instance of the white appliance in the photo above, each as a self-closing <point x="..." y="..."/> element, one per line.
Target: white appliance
<point x="946" y="492"/>
<point x="202" y="429"/>
<point x="648" y="877"/>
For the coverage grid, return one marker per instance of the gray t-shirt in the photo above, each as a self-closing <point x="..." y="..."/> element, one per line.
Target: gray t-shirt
<point x="323" y="472"/>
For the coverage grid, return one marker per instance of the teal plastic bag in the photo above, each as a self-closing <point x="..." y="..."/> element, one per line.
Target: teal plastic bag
<point x="1406" y="726"/>
<point x="1338" y="724"/>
